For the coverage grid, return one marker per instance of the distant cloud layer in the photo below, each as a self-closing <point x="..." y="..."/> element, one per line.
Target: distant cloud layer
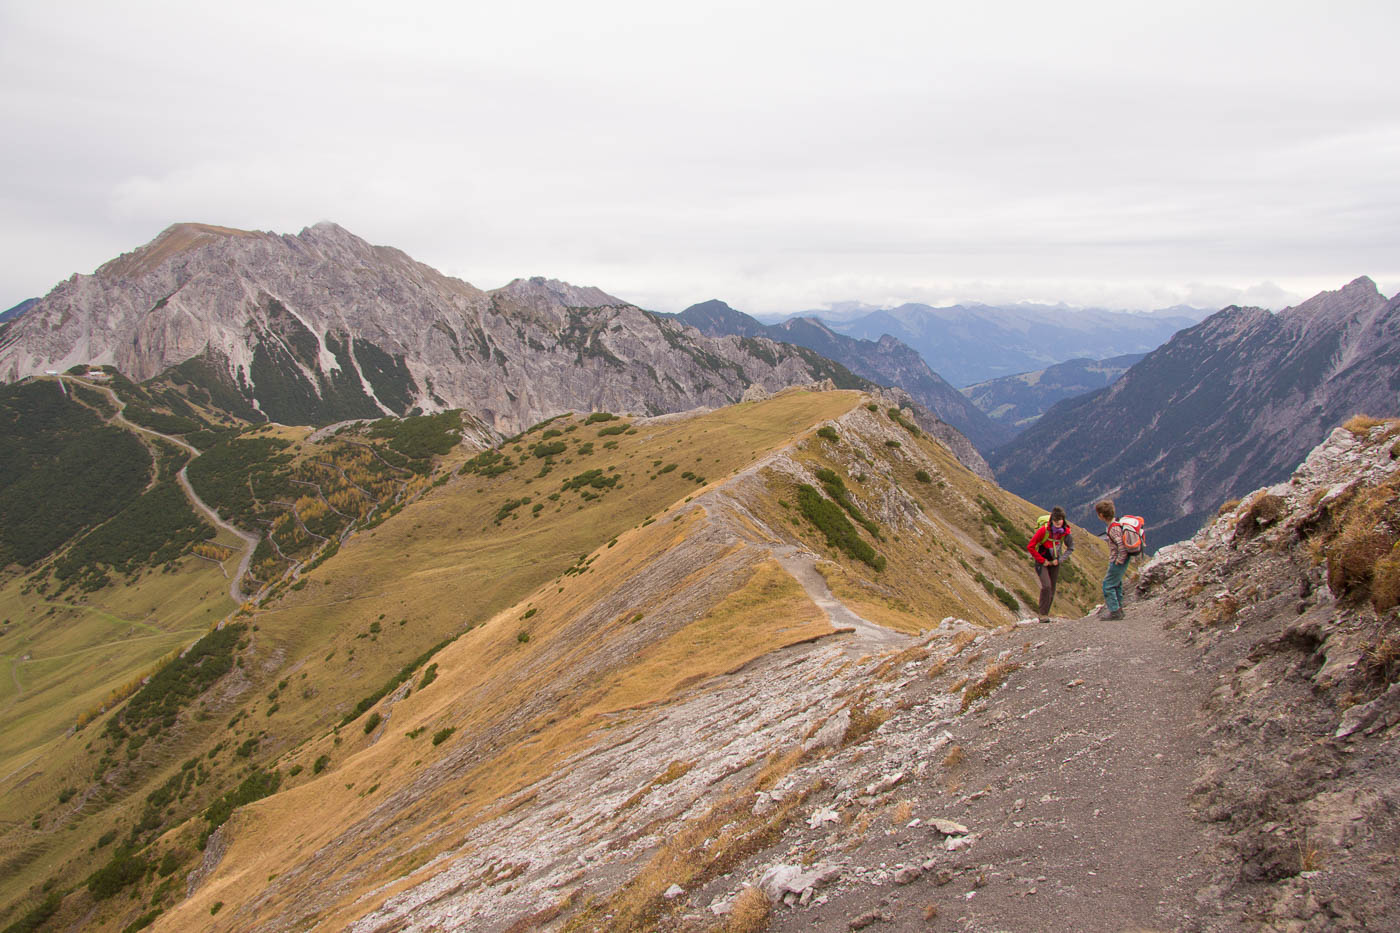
<point x="778" y="155"/>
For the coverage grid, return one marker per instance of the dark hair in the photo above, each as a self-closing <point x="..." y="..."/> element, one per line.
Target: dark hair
<point x="1057" y="514"/>
<point x="1105" y="510"/>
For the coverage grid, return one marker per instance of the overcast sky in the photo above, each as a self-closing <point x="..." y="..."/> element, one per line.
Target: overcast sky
<point x="778" y="155"/>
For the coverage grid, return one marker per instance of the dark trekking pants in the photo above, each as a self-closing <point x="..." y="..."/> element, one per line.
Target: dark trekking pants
<point x="1049" y="575"/>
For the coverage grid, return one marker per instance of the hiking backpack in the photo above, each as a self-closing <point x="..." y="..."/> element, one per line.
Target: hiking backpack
<point x="1134" y="533"/>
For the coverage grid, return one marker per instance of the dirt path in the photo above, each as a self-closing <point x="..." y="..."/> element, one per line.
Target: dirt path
<point x="802" y="565"/>
<point x="250" y="541"/>
<point x="1074" y="784"/>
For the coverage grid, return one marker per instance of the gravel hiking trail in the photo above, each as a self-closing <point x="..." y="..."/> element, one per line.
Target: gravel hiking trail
<point x="1073" y="783"/>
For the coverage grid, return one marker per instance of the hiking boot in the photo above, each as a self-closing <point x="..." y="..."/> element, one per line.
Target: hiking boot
<point x="1115" y="615"/>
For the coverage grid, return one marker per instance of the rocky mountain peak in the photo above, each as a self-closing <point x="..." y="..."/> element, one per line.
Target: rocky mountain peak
<point x="1358" y="298"/>
<point x="557" y="294"/>
<point x="174" y="240"/>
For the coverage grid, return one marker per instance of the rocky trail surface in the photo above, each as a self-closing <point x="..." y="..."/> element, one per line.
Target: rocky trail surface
<point x="1222" y="759"/>
<point x="1067" y="794"/>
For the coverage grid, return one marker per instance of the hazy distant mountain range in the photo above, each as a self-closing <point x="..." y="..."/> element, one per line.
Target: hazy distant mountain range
<point x="18" y="309"/>
<point x="1017" y="401"/>
<point x="1222" y="408"/>
<point x="968" y="344"/>
<point x="886" y="361"/>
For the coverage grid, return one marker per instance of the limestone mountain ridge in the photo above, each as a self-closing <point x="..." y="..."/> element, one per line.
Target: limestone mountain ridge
<point x="322" y="327"/>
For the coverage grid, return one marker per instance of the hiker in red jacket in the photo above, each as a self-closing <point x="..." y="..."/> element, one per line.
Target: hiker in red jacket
<point x="1051" y="545"/>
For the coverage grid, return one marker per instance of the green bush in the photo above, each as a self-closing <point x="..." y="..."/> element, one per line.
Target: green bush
<point x="922" y="476"/>
<point x="256" y="786"/>
<point x="124" y="869"/>
<point x="488" y="463"/>
<point x="420" y="437"/>
<point x="171" y="688"/>
<point x="600" y="416"/>
<point x="61" y="470"/>
<point x="836" y="488"/>
<point x="1011" y="537"/>
<point x="404" y="674"/>
<point x="898" y="418"/>
<point x="510" y="505"/>
<point x="372" y="721"/>
<point x="155" y="529"/>
<point x="831" y="521"/>
<point x="553" y="448"/>
<point x="320" y="763"/>
<point x="992" y="589"/>
<point x="827" y="431"/>
<point x="442" y="735"/>
<point x="39" y="915"/>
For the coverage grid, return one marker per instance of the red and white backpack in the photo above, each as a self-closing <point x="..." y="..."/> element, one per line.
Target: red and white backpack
<point x="1134" y="533"/>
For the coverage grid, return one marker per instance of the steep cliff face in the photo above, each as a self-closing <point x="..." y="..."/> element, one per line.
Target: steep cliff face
<point x="322" y="326"/>
<point x="886" y="361"/>
<point x="1223" y="407"/>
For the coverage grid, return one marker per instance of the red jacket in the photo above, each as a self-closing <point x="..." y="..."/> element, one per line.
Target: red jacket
<point x="1041" y="544"/>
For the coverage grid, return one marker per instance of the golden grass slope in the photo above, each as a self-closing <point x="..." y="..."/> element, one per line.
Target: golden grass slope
<point x="670" y="604"/>
<point x="571" y="613"/>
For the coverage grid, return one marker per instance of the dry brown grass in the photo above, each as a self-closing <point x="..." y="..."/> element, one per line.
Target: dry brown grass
<point x="1382" y="658"/>
<point x="863" y="722"/>
<point x="1220" y="611"/>
<point x="937" y="667"/>
<point x="750" y="913"/>
<point x="903" y="812"/>
<point x="1262" y="512"/>
<point x="994" y="677"/>
<point x="1361" y="425"/>
<point x="959" y="685"/>
<point x="1352" y="558"/>
<point x="890" y="667"/>
<point x="1385" y="582"/>
<point x="1309" y="854"/>
<point x="1227" y="506"/>
<point x="955" y="757"/>
<point x="674" y="772"/>
<point x="540" y="918"/>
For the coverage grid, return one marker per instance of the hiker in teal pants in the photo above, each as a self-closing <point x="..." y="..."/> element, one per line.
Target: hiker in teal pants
<point x="1117" y="560"/>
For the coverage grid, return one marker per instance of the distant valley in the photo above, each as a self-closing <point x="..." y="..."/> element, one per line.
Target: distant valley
<point x="969" y="344"/>
<point x="1016" y="402"/>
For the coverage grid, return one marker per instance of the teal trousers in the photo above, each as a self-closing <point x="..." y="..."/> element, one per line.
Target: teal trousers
<point x="1113" y="586"/>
